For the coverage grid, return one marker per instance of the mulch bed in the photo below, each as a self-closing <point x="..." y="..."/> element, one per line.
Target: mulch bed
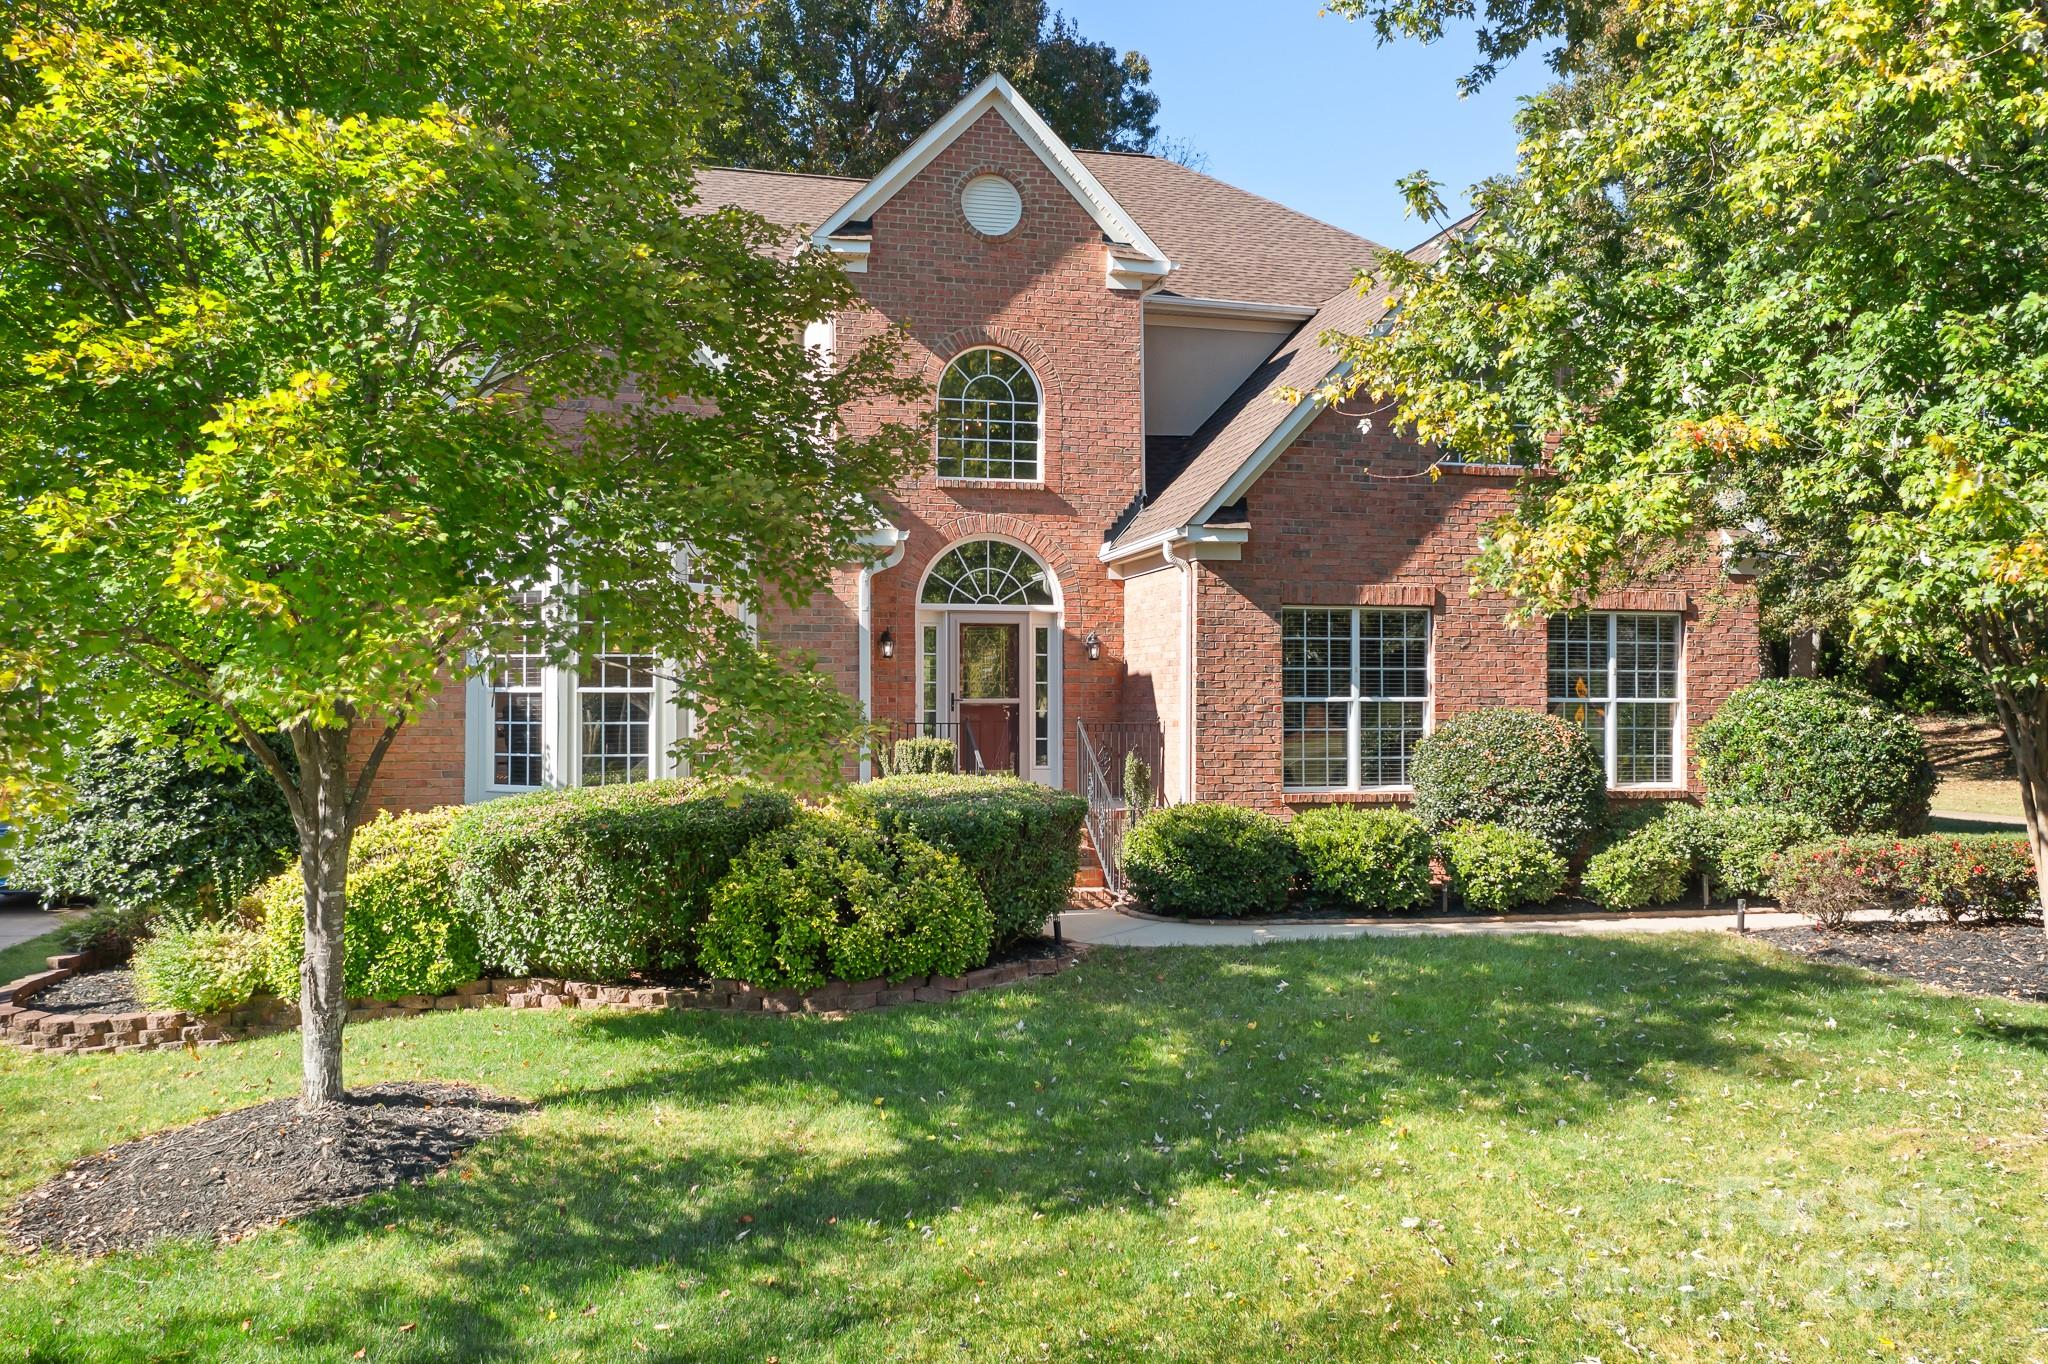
<point x="95" y="992"/>
<point x="2003" y="959"/>
<point x="229" y="1175"/>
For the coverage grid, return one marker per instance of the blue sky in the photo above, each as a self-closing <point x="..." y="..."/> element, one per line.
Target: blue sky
<point x="1309" y="111"/>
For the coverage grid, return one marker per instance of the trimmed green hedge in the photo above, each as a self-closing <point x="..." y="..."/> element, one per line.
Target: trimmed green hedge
<point x="1373" y="859"/>
<point x="1496" y="868"/>
<point x="923" y="758"/>
<point x="1210" y="861"/>
<point x="1521" y="769"/>
<point x="1021" y="841"/>
<point x="1820" y="749"/>
<point x="403" y="933"/>
<point x="1956" y="875"/>
<point x="828" y="897"/>
<point x="601" y="882"/>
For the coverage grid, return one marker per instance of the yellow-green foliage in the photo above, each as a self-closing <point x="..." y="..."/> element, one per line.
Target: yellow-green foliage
<point x="404" y="934"/>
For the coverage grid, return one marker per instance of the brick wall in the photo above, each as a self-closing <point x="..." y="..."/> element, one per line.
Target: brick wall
<point x="423" y="767"/>
<point x="1040" y="293"/>
<point x="1348" y="519"/>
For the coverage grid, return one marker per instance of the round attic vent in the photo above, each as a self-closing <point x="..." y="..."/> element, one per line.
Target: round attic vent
<point x="992" y="205"/>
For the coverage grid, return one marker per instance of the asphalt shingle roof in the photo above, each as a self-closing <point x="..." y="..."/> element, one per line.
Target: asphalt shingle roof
<point x="1226" y="243"/>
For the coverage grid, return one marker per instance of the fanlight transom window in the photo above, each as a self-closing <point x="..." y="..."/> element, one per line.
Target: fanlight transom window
<point x="988" y="418"/>
<point x="987" y="573"/>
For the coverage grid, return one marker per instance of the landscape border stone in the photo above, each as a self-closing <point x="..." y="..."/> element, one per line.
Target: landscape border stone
<point x="71" y="1034"/>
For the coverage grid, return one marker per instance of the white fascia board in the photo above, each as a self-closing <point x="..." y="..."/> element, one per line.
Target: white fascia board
<point x="1204" y="542"/>
<point x="1226" y="310"/>
<point x="1261" y="459"/>
<point x="998" y="94"/>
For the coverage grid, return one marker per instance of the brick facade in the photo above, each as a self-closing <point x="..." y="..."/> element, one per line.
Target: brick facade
<point x="1344" y="519"/>
<point x="1040" y="294"/>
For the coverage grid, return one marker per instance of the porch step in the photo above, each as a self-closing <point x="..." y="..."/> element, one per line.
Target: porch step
<point x="1089" y="875"/>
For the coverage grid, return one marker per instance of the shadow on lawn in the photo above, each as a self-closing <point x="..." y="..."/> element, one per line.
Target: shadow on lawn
<point x="1118" y="1086"/>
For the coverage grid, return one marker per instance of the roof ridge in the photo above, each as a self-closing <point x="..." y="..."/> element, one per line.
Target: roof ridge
<point x="794" y="175"/>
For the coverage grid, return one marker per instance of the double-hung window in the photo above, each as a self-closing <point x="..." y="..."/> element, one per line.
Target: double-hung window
<point x="605" y="715"/>
<point x="1615" y="675"/>
<point x="1354" y="696"/>
<point x="517" y="681"/>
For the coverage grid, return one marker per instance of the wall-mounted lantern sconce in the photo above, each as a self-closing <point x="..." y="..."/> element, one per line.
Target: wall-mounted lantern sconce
<point x="888" y="645"/>
<point x="1094" y="646"/>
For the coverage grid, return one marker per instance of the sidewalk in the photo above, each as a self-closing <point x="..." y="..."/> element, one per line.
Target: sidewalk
<point x="19" y="925"/>
<point x="1107" y="927"/>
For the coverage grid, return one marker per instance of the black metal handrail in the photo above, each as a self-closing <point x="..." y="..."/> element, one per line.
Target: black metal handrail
<point x="967" y="758"/>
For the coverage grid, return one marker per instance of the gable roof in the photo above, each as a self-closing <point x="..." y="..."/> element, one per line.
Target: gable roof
<point x="1227" y="243"/>
<point x="1134" y="258"/>
<point x="796" y="202"/>
<point x="1243" y="437"/>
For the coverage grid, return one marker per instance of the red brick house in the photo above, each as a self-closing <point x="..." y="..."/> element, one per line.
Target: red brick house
<point x="1123" y="533"/>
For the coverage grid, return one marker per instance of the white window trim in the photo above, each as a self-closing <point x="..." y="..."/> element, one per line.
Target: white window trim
<point x="1610" y="756"/>
<point x="1037" y="480"/>
<point x="943" y="620"/>
<point x="1354" y="760"/>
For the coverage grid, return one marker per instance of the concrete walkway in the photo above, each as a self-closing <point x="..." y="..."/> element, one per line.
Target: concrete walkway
<point x="1110" y="928"/>
<point x="19" y="925"/>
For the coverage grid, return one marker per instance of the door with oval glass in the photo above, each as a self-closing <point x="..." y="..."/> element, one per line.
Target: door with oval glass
<point x="988" y="691"/>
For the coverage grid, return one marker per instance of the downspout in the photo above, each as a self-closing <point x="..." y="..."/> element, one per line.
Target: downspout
<point x="1187" y="679"/>
<point x="864" y="616"/>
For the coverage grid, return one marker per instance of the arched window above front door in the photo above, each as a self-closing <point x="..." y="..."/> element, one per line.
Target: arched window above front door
<point x="988" y="418"/>
<point x="987" y="573"/>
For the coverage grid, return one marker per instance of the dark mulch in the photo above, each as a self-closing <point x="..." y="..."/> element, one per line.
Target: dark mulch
<point x="95" y="992"/>
<point x="232" y="1174"/>
<point x="2008" y="959"/>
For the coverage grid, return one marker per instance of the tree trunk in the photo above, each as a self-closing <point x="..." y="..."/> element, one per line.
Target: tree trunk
<point x="2024" y="714"/>
<point x="325" y="832"/>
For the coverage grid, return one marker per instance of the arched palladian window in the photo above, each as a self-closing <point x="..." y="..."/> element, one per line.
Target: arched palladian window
<point x="988" y="418"/>
<point x="987" y="573"/>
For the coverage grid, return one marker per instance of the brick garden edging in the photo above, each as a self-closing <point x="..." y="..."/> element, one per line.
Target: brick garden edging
<point x="74" y="1034"/>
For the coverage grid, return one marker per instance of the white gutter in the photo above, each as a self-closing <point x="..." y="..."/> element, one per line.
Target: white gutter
<point x="897" y="541"/>
<point x="1180" y="305"/>
<point x="1186" y="535"/>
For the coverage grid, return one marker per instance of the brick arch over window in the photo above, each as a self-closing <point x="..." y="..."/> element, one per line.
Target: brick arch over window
<point x="1051" y="382"/>
<point x="988" y="525"/>
<point x="990" y="418"/>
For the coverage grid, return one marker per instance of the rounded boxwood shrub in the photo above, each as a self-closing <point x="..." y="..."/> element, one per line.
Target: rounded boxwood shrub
<point x="1733" y="845"/>
<point x="1021" y="841"/>
<point x="151" y="827"/>
<point x="1210" y="861"/>
<point x="402" y="933"/>
<point x="829" y="898"/>
<point x="601" y="882"/>
<point x="198" y="966"/>
<point x="1374" y="859"/>
<point x="1649" y="867"/>
<point x="1497" y="868"/>
<point x="1521" y="769"/>
<point x="1821" y="749"/>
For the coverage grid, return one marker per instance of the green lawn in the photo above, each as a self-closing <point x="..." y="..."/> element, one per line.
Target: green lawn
<point x="25" y="958"/>
<point x="1523" y="1148"/>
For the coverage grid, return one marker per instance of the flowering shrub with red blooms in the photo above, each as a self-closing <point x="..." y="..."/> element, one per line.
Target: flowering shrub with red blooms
<point x="1956" y="875"/>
